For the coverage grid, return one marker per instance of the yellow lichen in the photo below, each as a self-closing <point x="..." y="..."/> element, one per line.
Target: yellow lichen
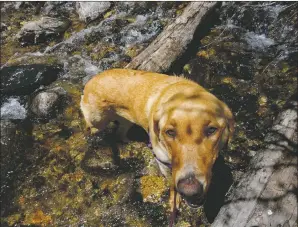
<point x="187" y="68"/>
<point x="262" y="100"/>
<point x="285" y="67"/>
<point x="230" y="81"/>
<point x="76" y="141"/>
<point x="109" y="13"/>
<point x="152" y="187"/>
<point x="13" y="219"/>
<point x="37" y="218"/>
<point x="76" y="53"/>
<point x="206" y="53"/>
<point x="74" y="177"/>
<point x="67" y="35"/>
<point x="22" y="200"/>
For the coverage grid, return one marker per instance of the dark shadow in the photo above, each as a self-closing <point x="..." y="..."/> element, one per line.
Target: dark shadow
<point x="208" y="22"/>
<point x="102" y="148"/>
<point x="137" y="133"/>
<point x="222" y="179"/>
<point x="16" y="162"/>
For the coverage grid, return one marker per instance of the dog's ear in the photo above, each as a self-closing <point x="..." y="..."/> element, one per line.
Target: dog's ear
<point x="229" y="130"/>
<point x="155" y="124"/>
<point x="230" y="120"/>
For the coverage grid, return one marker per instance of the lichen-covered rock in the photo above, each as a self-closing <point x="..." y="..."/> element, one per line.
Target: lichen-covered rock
<point x="44" y="103"/>
<point x="101" y="160"/>
<point x="152" y="188"/>
<point x="35" y="59"/>
<point x="42" y="30"/>
<point x="91" y="10"/>
<point x="24" y="79"/>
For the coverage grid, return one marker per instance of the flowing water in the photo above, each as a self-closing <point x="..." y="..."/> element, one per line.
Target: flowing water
<point x="54" y="175"/>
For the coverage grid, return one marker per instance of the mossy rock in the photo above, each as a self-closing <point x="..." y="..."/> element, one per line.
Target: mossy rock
<point x="30" y="59"/>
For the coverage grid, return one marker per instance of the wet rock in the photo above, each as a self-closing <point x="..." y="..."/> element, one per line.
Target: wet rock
<point x="3" y="27"/>
<point x="44" y="103"/>
<point x="123" y="215"/>
<point x="143" y="7"/>
<point x="8" y="136"/>
<point x="78" y="68"/>
<point x="5" y="6"/>
<point x="135" y="7"/>
<point x="125" y="6"/>
<point x="15" y="143"/>
<point x="34" y="58"/>
<point x="140" y="31"/>
<point x="89" y="11"/>
<point x="120" y="188"/>
<point x="58" y="8"/>
<point x="12" y="109"/>
<point x="101" y="159"/>
<point x="77" y="40"/>
<point x="43" y="30"/>
<point x="24" y="79"/>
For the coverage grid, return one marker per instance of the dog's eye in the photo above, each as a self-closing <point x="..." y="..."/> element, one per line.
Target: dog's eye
<point x="171" y="133"/>
<point x="210" y="131"/>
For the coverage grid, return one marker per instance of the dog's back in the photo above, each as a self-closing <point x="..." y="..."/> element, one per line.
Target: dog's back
<point x="127" y="92"/>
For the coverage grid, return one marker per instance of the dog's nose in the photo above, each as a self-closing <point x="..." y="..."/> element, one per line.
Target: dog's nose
<point x="190" y="186"/>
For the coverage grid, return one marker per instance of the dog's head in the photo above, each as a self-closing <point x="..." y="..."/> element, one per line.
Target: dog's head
<point x="193" y="128"/>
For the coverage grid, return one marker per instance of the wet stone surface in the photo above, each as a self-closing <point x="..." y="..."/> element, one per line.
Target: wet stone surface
<point x="42" y="30"/>
<point x="24" y="79"/>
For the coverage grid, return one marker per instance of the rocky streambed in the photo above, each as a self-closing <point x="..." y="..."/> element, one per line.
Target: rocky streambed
<point x="54" y="175"/>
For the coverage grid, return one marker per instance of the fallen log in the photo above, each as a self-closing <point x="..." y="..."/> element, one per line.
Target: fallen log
<point x="173" y="41"/>
<point x="266" y="194"/>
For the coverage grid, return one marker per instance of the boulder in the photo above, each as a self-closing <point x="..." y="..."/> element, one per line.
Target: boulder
<point x="42" y="30"/>
<point x="24" y="79"/>
<point x="89" y="11"/>
<point x="44" y="103"/>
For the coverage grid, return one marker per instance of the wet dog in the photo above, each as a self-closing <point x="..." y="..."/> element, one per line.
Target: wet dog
<point x="187" y="124"/>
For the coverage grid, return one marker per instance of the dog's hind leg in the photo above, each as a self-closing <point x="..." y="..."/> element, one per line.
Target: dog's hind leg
<point x="124" y="126"/>
<point x="94" y="116"/>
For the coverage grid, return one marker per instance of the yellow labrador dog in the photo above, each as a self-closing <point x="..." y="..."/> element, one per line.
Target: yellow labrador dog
<point x="187" y="124"/>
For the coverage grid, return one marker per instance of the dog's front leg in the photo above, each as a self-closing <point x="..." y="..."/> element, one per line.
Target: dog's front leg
<point x="174" y="204"/>
<point x="175" y="198"/>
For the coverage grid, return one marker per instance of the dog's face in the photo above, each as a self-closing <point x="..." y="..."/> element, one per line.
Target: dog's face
<point x="193" y="129"/>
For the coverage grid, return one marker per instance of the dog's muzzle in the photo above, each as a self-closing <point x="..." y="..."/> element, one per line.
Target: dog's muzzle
<point x="191" y="190"/>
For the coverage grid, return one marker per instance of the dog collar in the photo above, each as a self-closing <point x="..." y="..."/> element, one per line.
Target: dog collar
<point x="169" y="165"/>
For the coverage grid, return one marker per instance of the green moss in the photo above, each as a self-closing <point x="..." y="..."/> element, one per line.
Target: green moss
<point x="67" y="35"/>
<point x="133" y="51"/>
<point x="31" y="59"/>
<point x="38" y="218"/>
<point x="13" y="219"/>
<point x="187" y="68"/>
<point x="101" y="50"/>
<point x="109" y="13"/>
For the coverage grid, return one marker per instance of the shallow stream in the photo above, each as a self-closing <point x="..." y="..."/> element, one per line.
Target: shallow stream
<point x="54" y="175"/>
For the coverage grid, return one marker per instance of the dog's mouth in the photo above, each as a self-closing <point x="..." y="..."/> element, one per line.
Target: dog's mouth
<point x="194" y="201"/>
